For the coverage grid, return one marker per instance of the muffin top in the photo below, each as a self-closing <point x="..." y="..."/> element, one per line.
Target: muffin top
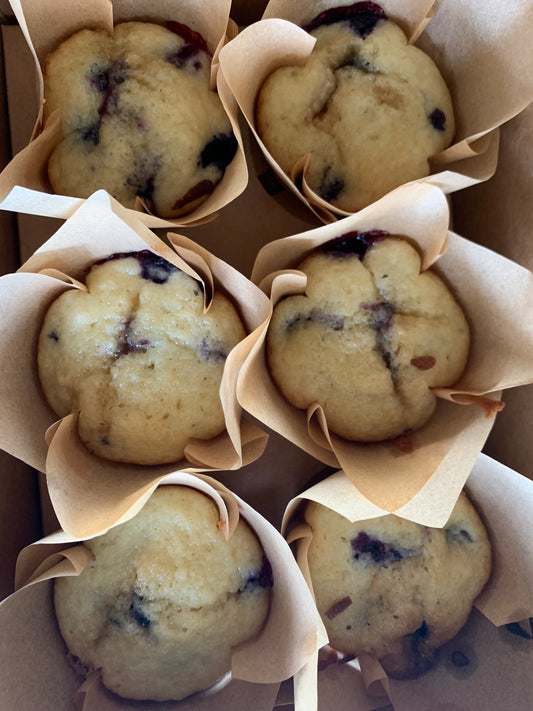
<point x="138" y="357"/>
<point x="394" y="588"/>
<point x="367" y="108"/>
<point x="369" y="339"/>
<point x="139" y="118"/>
<point x="165" y="598"/>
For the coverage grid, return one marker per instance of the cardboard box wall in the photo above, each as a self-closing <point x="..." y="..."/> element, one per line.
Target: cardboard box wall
<point x="498" y="214"/>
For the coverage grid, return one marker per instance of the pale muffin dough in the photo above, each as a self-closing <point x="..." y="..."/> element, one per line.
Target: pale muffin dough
<point x="394" y="588"/>
<point x="165" y="598"/>
<point x="369" y="109"/>
<point x="138" y="357"/>
<point x="138" y="117"/>
<point x="369" y="338"/>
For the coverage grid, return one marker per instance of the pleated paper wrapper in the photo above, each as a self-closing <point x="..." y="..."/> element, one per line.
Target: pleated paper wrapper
<point x="488" y="664"/>
<point x="90" y="494"/>
<point x="24" y="184"/>
<point x="421" y="484"/>
<point x="482" y="51"/>
<point x="289" y="638"/>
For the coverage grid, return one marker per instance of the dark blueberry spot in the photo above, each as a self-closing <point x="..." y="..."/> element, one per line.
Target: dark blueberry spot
<point x="263" y="578"/>
<point x="204" y="187"/>
<point x="353" y="243"/>
<point x="381" y="314"/>
<point x="438" y="119"/>
<point x="381" y="321"/>
<point x="359" y="63"/>
<point x="270" y="182"/>
<point x="180" y="57"/>
<point x="137" y="612"/>
<point x="104" y="440"/>
<point x="317" y="316"/>
<point x="212" y="351"/>
<point x="362" y="17"/>
<point x="116" y="74"/>
<point x="146" y="192"/>
<point x="219" y="152"/>
<point x="456" y="535"/>
<point x="98" y="78"/>
<point x="113" y="621"/>
<point x="190" y="37"/>
<point x="459" y="659"/>
<point x="515" y="628"/>
<point x="126" y="343"/>
<point x="153" y="267"/>
<point x="142" y="181"/>
<point x="367" y="548"/>
<point x="89" y="134"/>
<point x="330" y="186"/>
<point x="53" y="335"/>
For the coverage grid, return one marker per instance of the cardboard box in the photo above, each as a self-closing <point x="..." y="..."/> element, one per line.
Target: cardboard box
<point x="498" y="214"/>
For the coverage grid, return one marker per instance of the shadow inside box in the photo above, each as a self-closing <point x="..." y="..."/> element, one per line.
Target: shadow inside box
<point x="264" y="212"/>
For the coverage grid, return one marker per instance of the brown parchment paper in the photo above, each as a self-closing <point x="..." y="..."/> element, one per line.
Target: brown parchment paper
<point x="90" y="494"/>
<point x="482" y="52"/>
<point x="290" y="636"/>
<point x="24" y="185"/>
<point x="493" y="651"/>
<point x="421" y="485"/>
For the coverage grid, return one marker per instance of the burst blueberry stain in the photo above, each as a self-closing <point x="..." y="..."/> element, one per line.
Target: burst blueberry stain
<point x="438" y="119"/>
<point x="316" y="316"/>
<point x="98" y="78"/>
<point x="126" y="343"/>
<point x="219" y="152"/>
<point x="361" y="16"/>
<point x="89" y="134"/>
<point x="456" y="535"/>
<point x="353" y="243"/>
<point x="153" y="267"/>
<point x="116" y="75"/>
<point x="365" y="547"/>
<point x="262" y="578"/>
<point x="212" y="351"/>
<point x="137" y="613"/>
<point x="181" y="57"/>
<point x="142" y="180"/>
<point x="188" y="35"/>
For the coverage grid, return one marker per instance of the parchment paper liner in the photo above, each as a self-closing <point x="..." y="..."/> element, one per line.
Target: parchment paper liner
<point x="483" y="53"/>
<point x="24" y="185"/>
<point x="507" y="598"/>
<point x="90" y="494"/>
<point x="290" y="635"/>
<point x="495" y="294"/>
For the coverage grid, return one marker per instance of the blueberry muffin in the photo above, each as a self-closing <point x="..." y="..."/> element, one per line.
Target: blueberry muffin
<point x="138" y="117"/>
<point x="393" y="588"/>
<point x="369" y="339"/>
<point x="367" y="107"/>
<point x="138" y="357"/>
<point x="165" y="598"/>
